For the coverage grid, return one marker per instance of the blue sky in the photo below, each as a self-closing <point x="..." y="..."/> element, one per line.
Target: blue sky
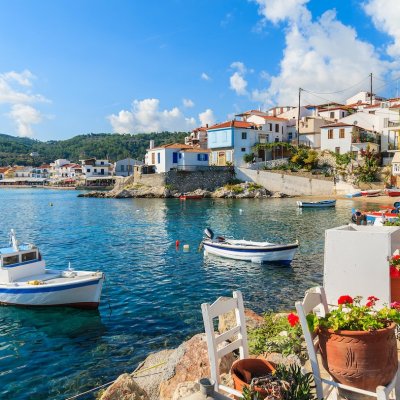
<point x="69" y="67"/>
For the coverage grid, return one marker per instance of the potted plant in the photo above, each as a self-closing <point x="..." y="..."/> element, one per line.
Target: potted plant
<point x="394" y="265"/>
<point x="357" y="342"/>
<point x="286" y="383"/>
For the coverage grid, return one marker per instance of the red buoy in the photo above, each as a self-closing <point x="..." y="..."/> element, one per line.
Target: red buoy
<point x="177" y="243"/>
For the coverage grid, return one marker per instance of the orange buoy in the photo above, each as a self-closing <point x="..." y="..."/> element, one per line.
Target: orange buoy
<point x="177" y="243"/>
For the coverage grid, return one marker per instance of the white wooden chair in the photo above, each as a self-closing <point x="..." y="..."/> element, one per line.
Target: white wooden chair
<point x="217" y="344"/>
<point x="315" y="301"/>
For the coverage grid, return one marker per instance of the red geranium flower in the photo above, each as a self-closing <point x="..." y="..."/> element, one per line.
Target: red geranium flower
<point x="395" y="304"/>
<point x="345" y="300"/>
<point x="373" y="298"/>
<point x="370" y="304"/>
<point x="293" y="319"/>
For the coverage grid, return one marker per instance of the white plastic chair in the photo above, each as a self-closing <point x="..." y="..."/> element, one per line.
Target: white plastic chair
<point x="315" y="301"/>
<point x="217" y="344"/>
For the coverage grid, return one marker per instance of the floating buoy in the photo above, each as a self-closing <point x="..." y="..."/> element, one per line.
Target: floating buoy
<point x="240" y="211"/>
<point x="51" y="204"/>
<point x="177" y="243"/>
<point x="185" y="247"/>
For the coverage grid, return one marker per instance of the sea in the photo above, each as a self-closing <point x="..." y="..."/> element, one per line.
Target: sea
<point x="153" y="290"/>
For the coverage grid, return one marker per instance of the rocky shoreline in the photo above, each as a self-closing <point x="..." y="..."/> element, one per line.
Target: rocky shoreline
<point x="244" y="190"/>
<point x="174" y="374"/>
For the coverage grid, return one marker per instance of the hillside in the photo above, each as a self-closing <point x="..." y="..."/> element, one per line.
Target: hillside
<point x="16" y="150"/>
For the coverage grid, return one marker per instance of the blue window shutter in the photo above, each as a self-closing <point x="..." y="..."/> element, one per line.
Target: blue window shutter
<point x="198" y="157"/>
<point x="205" y="157"/>
<point x="158" y="158"/>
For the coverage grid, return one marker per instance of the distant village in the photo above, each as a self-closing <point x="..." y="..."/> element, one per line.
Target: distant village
<point x="364" y="121"/>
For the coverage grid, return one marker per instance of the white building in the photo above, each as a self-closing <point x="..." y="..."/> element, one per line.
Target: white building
<point x="176" y="156"/>
<point x="364" y="98"/>
<point x="23" y="172"/>
<point x="43" y="171"/>
<point x="96" y="168"/>
<point x="198" y="137"/>
<point x="342" y="138"/>
<point x="125" y="167"/>
<point x="333" y="114"/>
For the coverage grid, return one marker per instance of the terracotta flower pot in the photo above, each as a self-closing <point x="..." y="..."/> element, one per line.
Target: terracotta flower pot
<point x="394" y="284"/>
<point x="362" y="359"/>
<point x="243" y="371"/>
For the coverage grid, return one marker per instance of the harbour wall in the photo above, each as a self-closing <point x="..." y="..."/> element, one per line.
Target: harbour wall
<point x="188" y="181"/>
<point x="292" y="185"/>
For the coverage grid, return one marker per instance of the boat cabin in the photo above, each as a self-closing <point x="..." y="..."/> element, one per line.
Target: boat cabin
<point x="18" y="261"/>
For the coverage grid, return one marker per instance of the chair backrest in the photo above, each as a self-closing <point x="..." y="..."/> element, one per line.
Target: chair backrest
<point x="314" y="301"/>
<point x="218" y="345"/>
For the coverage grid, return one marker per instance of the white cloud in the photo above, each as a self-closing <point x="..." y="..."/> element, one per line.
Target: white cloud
<point x="205" y="77"/>
<point x="385" y="15"/>
<point x="188" y="103"/>
<point x="207" y="117"/>
<point x="321" y="56"/>
<point x="25" y="116"/>
<point x="15" y="91"/>
<point x="146" y="117"/>
<point x="236" y="80"/>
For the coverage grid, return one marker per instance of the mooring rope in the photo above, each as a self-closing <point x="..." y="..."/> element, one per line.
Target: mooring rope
<point x="133" y="374"/>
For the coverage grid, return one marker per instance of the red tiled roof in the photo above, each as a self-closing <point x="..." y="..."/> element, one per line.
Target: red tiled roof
<point x="234" y="124"/>
<point x="173" y="146"/>
<point x="196" y="150"/>
<point x="333" y="109"/>
<point x="255" y="112"/>
<point x="4" y="169"/>
<point x="45" y="166"/>
<point x="336" y="125"/>
<point x="71" y="166"/>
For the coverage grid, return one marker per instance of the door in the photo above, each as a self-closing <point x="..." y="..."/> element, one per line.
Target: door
<point x="175" y="158"/>
<point x="153" y="158"/>
<point x="221" y="158"/>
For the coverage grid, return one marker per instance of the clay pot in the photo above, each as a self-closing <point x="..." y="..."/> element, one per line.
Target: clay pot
<point x="243" y="371"/>
<point x="394" y="284"/>
<point x="362" y="359"/>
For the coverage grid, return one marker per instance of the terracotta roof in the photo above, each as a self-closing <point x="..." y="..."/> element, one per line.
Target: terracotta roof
<point x="395" y="106"/>
<point x="4" y="169"/>
<point x="196" y="150"/>
<point x="45" y="166"/>
<point x="250" y="112"/>
<point x="70" y="166"/>
<point x="269" y="117"/>
<point x="173" y="146"/>
<point x="333" y="109"/>
<point x="202" y="128"/>
<point x="358" y="104"/>
<point x="234" y="124"/>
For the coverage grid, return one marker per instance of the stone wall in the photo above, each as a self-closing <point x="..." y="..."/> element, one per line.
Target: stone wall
<point x="151" y="179"/>
<point x="185" y="181"/>
<point x="269" y="164"/>
<point x="289" y="184"/>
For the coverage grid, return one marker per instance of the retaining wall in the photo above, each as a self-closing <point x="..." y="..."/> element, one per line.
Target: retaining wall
<point x="288" y="184"/>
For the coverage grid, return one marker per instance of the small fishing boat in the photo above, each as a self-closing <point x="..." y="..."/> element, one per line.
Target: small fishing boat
<point x="316" y="204"/>
<point x="25" y="280"/>
<point x="394" y="192"/>
<point x="190" y="196"/>
<point x="246" y="250"/>
<point x="371" y="193"/>
<point x="351" y="195"/>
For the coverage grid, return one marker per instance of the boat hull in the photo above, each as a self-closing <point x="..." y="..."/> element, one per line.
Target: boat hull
<point x="393" y="193"/>
<point x="316" y="204"/>
<point x="281" y="254"/>
<point x="190" y="197"/>
<point x="370" y="193"/>
<point x="81" y="294"/>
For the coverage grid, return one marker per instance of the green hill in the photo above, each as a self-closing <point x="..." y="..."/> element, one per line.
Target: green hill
<point x="16" y="150"/>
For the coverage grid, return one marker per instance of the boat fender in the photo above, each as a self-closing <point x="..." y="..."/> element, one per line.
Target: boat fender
<point x="209" y="233"/>
<point x="355" y="215"/>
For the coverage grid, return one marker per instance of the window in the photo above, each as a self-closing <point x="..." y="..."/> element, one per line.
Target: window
<point x="153" y="158"/>
<point x="229" y="156"/>
<point x="202" y="157"/>
<point x="330" y="133"/>
<point x="243" y="149"/>
<point x="290" y="135"/>
<point x="102" y="163"/>
<point x="332" y="114"/>
<point x="95" y="170"/>
<point x="158" y="158"/>
<point x="341" y="133"/>
<point x="29" y="256"/>
<point x="277" y="128"/>
<point x="180" y="155"/>
<point x="102" y="171"/>
<point x="270" y="127"/>
<point x="10" y="260"/>
<point x="122" y="167"/>
<point x="337" y="150"/>
<point x="88" y="170"/>
<point x="244" y="135"/>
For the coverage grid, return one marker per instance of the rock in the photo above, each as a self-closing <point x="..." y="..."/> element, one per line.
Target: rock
<point x="278" y="358"/>
<point x="228" y="321"/>
<point x="185" y="389"/>
<point x="149" y="377"/>
<point x="124" y="388"/>
<point x="189" y="362"/>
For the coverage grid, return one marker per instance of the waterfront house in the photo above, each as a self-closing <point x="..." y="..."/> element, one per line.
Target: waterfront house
<point x="43" y="171"/>
<point x="334" y="113"/>
<point x="91" y="167"/>
<point x="125" y="167"/>
<point x="176" y="156"/>
<point x="3" y="171"/>
<point x="22" y="171"/>
<point x="342" y="138"/>
<point x="228" y="142"/>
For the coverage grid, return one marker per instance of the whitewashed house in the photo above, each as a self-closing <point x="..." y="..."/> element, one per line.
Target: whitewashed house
<point x="176" y="156"/>
<point x="364" y="98"/>
<point x="3" y="171"/>
<point x="96" y="168"/>
<point x="310" y="131"/>
<point x="342" y="138"/>
<point x="333" y="114"/>
<point x="125" y="167"/>
<point x="23" y="172"/>
<point x="43" y="171"/>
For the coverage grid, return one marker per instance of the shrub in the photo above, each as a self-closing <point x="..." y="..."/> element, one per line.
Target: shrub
<point x="248" y="158"/>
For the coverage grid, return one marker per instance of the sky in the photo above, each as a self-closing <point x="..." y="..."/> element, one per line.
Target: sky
<point x="70" y="67"/>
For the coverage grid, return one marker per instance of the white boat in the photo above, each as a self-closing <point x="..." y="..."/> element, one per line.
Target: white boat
<point x="322" y="203"/>
<point x="371" y="193"/>
<point x="246" y="250"/>
<point x="25" y="280"/>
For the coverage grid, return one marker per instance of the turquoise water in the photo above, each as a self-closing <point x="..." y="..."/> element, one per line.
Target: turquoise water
<point x="152" y="295"/>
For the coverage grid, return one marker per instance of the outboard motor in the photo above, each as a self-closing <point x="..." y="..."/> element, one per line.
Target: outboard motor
<point x="209" y="233"/>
